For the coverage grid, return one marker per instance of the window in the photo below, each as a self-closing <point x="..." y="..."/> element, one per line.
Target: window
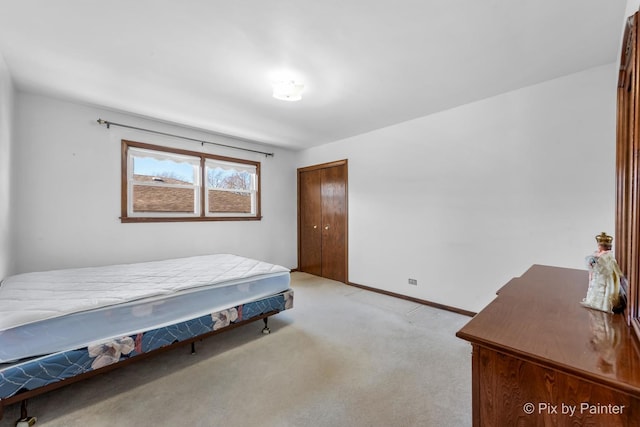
<point x="230" y="188"/>
<point x="164" y="184"/>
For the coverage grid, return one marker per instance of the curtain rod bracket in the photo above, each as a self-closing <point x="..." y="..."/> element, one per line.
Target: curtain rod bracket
<point x="104" y="122"/>
<point x="108" y="124"/>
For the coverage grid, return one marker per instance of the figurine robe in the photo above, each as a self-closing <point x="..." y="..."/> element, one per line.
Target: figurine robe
<point x="604" y="282"/>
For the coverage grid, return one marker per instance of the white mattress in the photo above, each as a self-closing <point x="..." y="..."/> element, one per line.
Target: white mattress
<point x="46" y="312"/>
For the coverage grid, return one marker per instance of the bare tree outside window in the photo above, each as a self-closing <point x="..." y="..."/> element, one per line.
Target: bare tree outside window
<point x="220" y="178"/>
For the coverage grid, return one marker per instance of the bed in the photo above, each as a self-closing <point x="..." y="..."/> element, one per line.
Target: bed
<point x="61" y="326"/>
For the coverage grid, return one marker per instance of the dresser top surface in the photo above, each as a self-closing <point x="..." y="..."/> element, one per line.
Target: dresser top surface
<point x="538" y="317"/>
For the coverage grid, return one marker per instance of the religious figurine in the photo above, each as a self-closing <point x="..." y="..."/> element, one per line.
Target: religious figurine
<point x="604" y="291"/>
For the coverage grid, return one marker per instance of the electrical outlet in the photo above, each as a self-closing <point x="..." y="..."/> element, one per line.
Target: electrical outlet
<point x="413" y="282"/>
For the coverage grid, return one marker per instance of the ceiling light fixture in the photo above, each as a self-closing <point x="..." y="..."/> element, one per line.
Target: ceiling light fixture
<point x="288" y="90"/>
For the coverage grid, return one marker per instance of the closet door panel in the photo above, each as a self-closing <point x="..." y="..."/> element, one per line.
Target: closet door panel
<point x="310" y="222"/>
<point x="334" y="211"/>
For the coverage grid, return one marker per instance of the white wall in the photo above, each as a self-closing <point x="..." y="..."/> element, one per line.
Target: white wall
<point x="466" y="199"/>
<point x="67" y="194"/>
<point x="6" y="135"/>
<point x="632" y="7"/>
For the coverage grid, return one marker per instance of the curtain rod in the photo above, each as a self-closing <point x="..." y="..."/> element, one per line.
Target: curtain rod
<point x="109" y="124"/>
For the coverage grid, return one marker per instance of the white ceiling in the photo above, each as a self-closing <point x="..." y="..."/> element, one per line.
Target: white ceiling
<point x="366" y="64"/>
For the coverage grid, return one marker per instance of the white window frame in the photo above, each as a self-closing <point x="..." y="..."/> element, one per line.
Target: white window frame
<point x="163" y="155"/>
<point x="253" y="191"/>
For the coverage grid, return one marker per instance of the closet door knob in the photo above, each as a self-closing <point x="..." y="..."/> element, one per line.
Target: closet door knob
<point x="315" y="226"/>
<point x="326" y="227"/>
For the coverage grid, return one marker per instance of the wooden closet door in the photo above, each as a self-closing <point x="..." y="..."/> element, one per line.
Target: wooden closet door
<point x="334" y="231"/>
<point x="322" y="220"/>
<point x="310" y="222"/>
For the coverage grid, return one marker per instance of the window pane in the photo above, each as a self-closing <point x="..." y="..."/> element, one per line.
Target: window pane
<point x="231" y="188"/>
<point x="229" y="179"/>
<point x="178" y="170"/>
<point x="230" y="202"/>
<point x="163" y="199"/>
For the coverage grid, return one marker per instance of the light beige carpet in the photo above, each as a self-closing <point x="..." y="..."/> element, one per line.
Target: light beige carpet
<point x="341" y="357"/>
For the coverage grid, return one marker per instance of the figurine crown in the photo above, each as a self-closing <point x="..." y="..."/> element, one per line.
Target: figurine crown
<point x="604" y="239"/>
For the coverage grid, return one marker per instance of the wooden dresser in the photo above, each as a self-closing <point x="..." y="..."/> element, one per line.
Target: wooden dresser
<point x="542" y="359"/>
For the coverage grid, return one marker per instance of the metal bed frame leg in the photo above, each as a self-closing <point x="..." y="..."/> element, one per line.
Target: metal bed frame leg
<point x="266" y="329"/>
<point x="25" y="420"/>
